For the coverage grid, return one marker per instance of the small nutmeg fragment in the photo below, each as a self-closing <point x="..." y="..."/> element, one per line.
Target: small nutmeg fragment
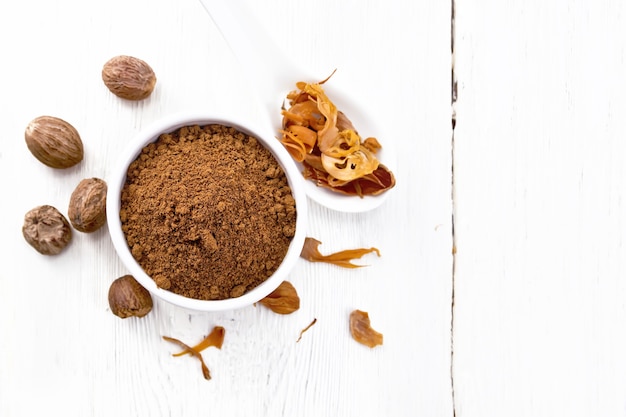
<point x="46" y="230"/>
<point x="283" y="300"/>
<point x="128" y="77"/>
<point x="54" y="142"/>
<point x="362" y="331"/>
<point x="127" y="298"/>
<point x="87" y="208"/>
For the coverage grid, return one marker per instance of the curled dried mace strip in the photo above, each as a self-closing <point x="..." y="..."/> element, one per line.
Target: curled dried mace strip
<point x="306" y="328"/>
<point x="379" y="181"/>
<point x="362" y="331"/>
<point x="215" y="338"/>
<point x="205" y="370"/>
<point x="311" y="253"/>
<point x="283" y="300"/>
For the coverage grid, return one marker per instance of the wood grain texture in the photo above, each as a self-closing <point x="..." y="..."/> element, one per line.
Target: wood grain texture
<point x="60" y="347"/>
<point x="539" y="208"/>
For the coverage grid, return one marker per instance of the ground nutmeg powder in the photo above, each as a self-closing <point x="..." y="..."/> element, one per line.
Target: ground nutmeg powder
<point x="207" y="212"/>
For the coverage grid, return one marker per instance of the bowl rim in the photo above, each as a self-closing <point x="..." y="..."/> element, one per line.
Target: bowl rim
<point x="170" y="123"/>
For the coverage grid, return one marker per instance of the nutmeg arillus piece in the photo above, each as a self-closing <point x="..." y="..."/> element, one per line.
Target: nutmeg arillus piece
<point x="362" y="331"/>
<point x="283" y="300"/>
<point x="205" y="369"/>
<point x="127" y="298"/>
<point x="311" y="253"/>
<point x="46" y="230"/>
<point x="128" y="77"/>
<point x="87" y="208"/>
<point x="306" y="328"/>
<point x="215" y="338"/>
<point x="54" y="142"/>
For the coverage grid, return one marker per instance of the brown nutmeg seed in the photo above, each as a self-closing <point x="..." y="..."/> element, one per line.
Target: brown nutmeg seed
<point x="127" y="298"/>
<point x="128" y="77"/>
<point x="54" y="142"/>
<point x="87" y="208"/>
<point x="46" y="230"/>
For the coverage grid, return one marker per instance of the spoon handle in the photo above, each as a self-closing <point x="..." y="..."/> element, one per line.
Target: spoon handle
<point x="261" y="59"/>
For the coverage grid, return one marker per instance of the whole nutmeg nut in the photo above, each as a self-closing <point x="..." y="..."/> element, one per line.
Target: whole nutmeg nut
<point x="46" y="230"/>
<point x="54" y="142"/>
<point x="127" y="298"/>
<point x="128" y="77"/>
<point x="87" y="209"/>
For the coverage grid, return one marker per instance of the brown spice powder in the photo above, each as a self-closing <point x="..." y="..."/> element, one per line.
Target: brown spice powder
<point x="207" y="212"/>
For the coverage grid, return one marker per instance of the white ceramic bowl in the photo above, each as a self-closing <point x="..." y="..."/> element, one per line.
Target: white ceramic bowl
<point x="118" y="178"/>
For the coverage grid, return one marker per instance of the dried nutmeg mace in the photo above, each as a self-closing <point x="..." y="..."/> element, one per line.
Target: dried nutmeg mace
<point x="362" y="330"/>
<point x="127" y="298"/>
<point x="311" y="253"/>
<point x="283" y="300"/>
<point x="46" y="230"/>
<point x="128" y="77"/>
<point x="87" y="208"/>
<point x="54" y="142"/>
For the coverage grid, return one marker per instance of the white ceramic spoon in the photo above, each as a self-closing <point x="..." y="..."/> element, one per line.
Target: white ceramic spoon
<point x="274" y="76"/>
